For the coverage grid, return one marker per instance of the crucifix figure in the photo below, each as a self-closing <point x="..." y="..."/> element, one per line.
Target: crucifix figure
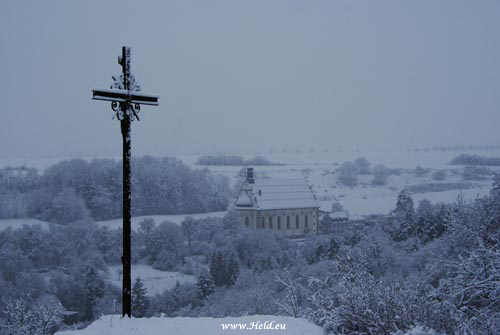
<point x="126" y="101"/>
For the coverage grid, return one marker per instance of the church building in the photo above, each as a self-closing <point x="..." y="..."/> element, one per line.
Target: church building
<point x="285" y="206"/>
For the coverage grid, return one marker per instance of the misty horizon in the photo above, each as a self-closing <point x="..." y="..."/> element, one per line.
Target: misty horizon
<point x="250" y="78"/>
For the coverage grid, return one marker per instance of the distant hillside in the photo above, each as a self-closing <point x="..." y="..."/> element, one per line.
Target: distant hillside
<point x="465" y="159"/>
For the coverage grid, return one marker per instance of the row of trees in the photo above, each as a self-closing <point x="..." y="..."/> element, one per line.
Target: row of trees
<point x="347" y="173"/>
<point x="456" y="148"/>
<point x="74" y="189"/>
<point x="466" y="159"/>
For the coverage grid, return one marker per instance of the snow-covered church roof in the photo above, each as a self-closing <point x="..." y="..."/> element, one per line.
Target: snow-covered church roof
<point x="276" y="193"/>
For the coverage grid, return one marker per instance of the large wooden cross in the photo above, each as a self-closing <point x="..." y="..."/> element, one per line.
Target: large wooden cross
<point x="126" y="101"/>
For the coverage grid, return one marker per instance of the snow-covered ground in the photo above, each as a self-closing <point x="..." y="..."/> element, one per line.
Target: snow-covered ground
<point x="155" y="281"/>
<point x="117" y="223"/>
<point x="115" y="325"/>
<point x="364" y="199"/>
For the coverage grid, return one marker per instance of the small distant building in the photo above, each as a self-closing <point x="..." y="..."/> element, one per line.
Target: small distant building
<point x="339" y="222"/>
<point x="334" y="222"/>
<point x="286" y="206"/>
<point x="337" y="217"/>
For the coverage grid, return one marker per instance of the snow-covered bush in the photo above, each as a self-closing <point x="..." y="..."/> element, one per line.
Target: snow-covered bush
<point x="66" y="207"/>
<point x="420" y="171"/>
<point x="439" y="175"/>
<point x="476" y="172"/>
<point x="347" y="174"/>
<point x="352" y="301"/>
<point x="363" y="165"/>
<point x="167" y="246"/>
<point x="380" y="175"/>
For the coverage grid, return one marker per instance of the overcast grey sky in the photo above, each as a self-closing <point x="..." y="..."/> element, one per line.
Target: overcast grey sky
<point x="245" y="76"/>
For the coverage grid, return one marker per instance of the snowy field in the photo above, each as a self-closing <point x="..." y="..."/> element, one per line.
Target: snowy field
<point x="155" y="281"/>
<point x="115" y="325"/>
<point x="365" y="198"/>
<point x="18" y="223"/>
<point x="117" y="223"/>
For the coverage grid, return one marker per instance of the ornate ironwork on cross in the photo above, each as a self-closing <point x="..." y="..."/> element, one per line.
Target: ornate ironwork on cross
<point x="126" y="102"/>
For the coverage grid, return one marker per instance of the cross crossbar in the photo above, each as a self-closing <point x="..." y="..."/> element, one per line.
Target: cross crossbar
<point x="124" y="95"/>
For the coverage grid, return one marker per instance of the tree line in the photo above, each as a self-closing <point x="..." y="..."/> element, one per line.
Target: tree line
<point x="74" y="189"/>
<point x="466" y="159"/>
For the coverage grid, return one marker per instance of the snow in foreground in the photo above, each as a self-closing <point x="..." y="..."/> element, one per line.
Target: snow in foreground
<point x="115" y="325"/>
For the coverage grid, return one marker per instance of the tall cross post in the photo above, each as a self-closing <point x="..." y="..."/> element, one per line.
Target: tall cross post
<point x="126" y="102"/>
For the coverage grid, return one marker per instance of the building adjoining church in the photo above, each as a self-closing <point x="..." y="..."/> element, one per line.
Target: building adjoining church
<point x="286" y="206"/>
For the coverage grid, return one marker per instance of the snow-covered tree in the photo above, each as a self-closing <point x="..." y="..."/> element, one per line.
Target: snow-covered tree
<point x="363" y="165"/>
<point x="218" y="269"/>
<point x="94" y="290"/>
<point x="146" y="229"/>
<point x="139" y="299"/>
<point x="231" y="221"/>
<point x="348" y="174"/>
<point x="476" y="172"/>
<point x="352" y="301"/>
<point x="19" y="317"/>
<point x="188" y="226"/>
<point x="333" y="248"/>
<point x="67" y="207"/>
<point x="439" y="175"/>
<point x="404" y="216"/>
<point x="31" y="318"/>
<point x="232" y="271"/>
<point x="380" y="175"/>
<point x="205" y="285"/>
<point x="47" y="316"/>
<point x="291" y="305"/>
<point x="495" y="189"/>
<point x="337" y="207"/>
<point x="420" y="171"/>
<point x="167" y="247"/>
